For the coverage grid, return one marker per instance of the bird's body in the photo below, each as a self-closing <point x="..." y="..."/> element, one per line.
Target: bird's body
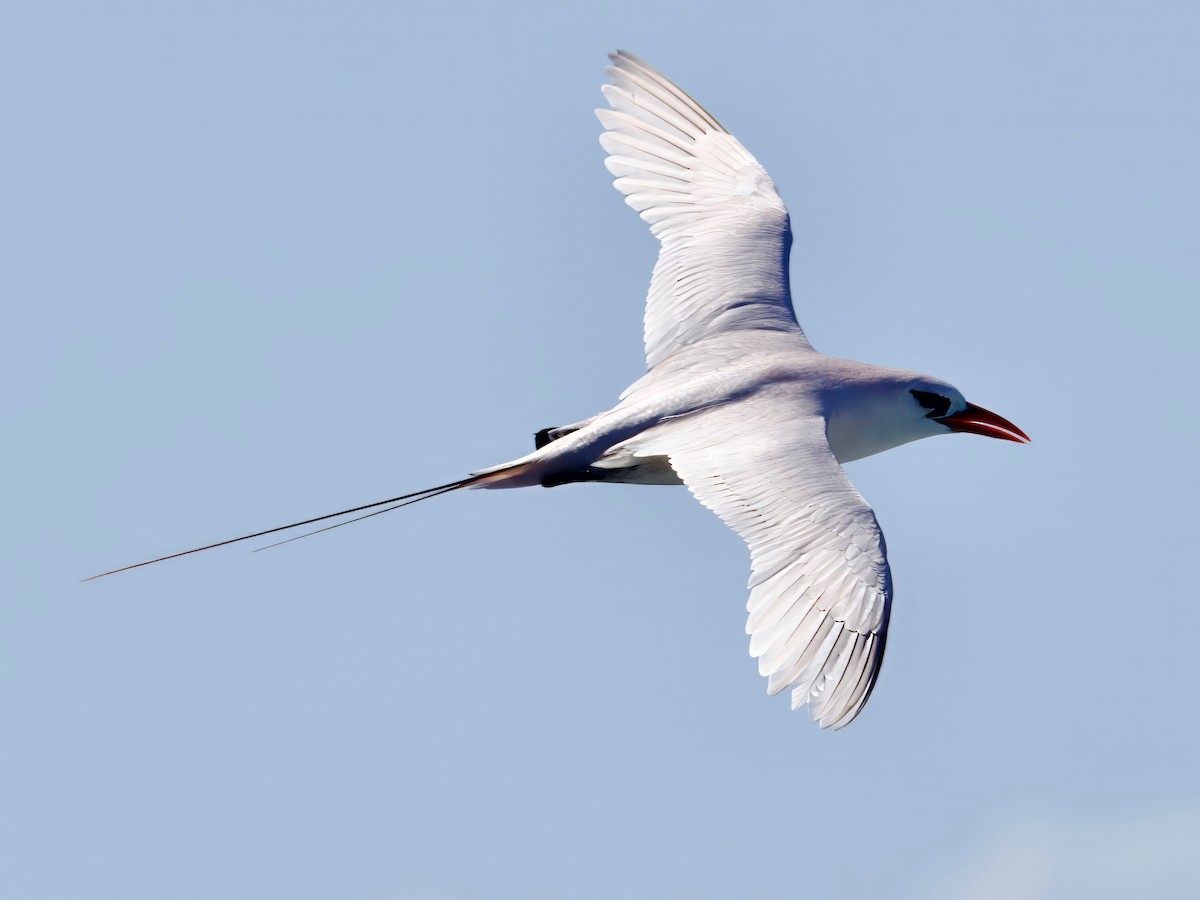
<point x="738" y="406"/>
<point x="850" y="401"/>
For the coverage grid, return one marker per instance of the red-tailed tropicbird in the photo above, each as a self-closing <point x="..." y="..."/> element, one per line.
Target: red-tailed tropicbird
<point x="737" y="405"/>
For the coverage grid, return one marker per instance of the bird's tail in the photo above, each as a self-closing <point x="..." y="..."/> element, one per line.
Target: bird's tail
<point x="515" y="473"/>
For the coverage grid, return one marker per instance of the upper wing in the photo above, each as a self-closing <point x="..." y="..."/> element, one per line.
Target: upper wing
<point x="724" y="230"/>
<point x="820" y="587"/>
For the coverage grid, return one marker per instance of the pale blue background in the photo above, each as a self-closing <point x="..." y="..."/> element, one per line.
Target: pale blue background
<point x="262" y="261"/>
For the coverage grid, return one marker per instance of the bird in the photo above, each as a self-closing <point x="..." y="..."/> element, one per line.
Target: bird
<point x="737" y="405"/>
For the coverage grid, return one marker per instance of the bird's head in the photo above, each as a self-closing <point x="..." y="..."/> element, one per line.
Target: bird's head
<point x="945" y="409"/>
<point x="884" y="411"/>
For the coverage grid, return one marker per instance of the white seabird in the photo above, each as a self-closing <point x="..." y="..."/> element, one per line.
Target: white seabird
<point x="738" y="406"/>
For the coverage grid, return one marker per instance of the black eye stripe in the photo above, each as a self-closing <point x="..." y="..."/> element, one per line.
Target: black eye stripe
<point x="937" y="405"/>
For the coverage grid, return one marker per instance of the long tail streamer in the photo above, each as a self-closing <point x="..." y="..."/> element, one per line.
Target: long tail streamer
<point x="402" y="500"/>
<point x="435" y="492"/>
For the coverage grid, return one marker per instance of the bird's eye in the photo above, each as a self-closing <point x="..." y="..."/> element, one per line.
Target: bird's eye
<point x="937" y="405"/>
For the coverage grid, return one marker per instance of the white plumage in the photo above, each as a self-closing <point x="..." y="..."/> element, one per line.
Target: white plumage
<point x="738" y="406"/>
<point x="723" y="227"/>
<point x="820" y="589"/>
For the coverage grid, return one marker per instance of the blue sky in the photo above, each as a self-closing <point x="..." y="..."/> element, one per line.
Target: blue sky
<point x="262" y="262"/>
